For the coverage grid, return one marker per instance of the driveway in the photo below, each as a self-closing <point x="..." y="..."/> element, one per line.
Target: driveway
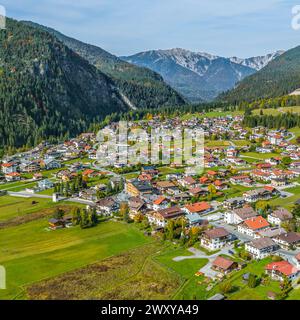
<point x="198" y="254"/>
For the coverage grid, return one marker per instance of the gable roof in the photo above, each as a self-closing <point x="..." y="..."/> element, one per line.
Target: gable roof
<point x="256" y="223"/>
<point x="222" y="263"/>
<point x="189" y="180"/>
<point x="159" y="200"/>
<point x="283" y="267"/>
<point x="216" y="233"/>
<point x="282" y="214"/>
<point x="262" y="243"/>
<point x="245" y="213"/>
<point x="290" y="237"/>
<point x="198" y="207"/>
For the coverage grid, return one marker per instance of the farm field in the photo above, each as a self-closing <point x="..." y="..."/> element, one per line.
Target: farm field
<point x="31" y="253"/>
<point x="129" y="275"/>
<point x="217" y="143"/>
<point x="241" y="143"/>
<point x="211" y="114"/>
<point x="11" y="207"/>
<point x="277" y="111"/>
<point x="259" y="156"/>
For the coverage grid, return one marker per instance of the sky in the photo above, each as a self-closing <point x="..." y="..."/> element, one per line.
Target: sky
<point x="242" y="28"/>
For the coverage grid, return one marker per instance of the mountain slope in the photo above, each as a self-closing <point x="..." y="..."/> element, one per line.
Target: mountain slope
<point x="280" y="77"/>
<point x="143" y="87"/>
<point x="192" y="74"/>
<point x="198" y="76"/>
<point x="259" y="62"/>
<point x="46" y="89"/>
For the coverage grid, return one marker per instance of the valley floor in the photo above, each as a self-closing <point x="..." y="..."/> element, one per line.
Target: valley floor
<point x="113" y="260"/>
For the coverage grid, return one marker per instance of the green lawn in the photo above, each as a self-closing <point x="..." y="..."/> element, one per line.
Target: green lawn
<point x="216" y="143"/>
<point x="11" y="186"/>
<point x="294" y="295"/>
<point x="187" y="268"/>
<point x="11" y="207"/>
<point x="243" y="292"/>
<point x="287" y="202"/>
<point x="212" y="114"/>
<point x="277" y="111"/>
<point x="259" y="156"/>
<point x="168" y="170"/>
<point x="241" y="143"/>
<point x="30" y="253"/>
<point x="234" y="191"/>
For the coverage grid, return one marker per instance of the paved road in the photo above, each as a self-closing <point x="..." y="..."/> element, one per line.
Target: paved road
<point x="292" y="136"/>
<point x="97" y="167"/>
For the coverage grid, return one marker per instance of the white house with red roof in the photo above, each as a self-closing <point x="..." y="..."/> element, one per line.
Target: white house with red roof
<point x="253" y="225"/>
<point x="160" y="203"/>
<point x="9" y="167"/>
<point x="281" y="270"/>
<point x="13" y="176"/>
<point x="198" y="207"/>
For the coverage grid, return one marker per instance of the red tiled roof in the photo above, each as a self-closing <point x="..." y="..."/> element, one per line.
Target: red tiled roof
<point x="256" y="223"/>
<point x="203" y="179"/>
<point x="198" y="207"/>
<point x="283" y="267"/>
<point x="7" y="165"/>
<point x="211" y="172"/>
<point x="87" y="172"/>
<point x="269" y="188"/>
<point x="145" y="177"/>
<point x="218" y="183"/>
<point x="159" y="200"/>
<point x="222" y="263"/>
<point x="13" y="174"/>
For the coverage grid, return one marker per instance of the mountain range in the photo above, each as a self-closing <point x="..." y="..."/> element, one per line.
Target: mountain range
<point x="140" y="87"/>
<point x="278" y="78"/>
<point x="53" y="86"/>
<point x="197" y="75"/>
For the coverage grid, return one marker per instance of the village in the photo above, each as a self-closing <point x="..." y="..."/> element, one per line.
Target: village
<point x="243" y="207"/>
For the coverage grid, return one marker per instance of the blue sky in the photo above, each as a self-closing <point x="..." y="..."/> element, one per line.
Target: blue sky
<point x="224" y="27"/>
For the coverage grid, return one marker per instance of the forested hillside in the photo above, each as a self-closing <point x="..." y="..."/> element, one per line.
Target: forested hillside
<point x="143" y="87"/>
<point x="46" y="89"/>
<point x="280" y="77"/>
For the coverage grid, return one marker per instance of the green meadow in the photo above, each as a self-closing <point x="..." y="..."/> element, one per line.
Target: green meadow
<point x="31" y="253"/>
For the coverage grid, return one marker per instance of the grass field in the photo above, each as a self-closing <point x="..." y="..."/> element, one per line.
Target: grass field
<point x="277" y="111"/>
<point x="287" y="202"/>
<point x="190" y="287"/>
<point x="241" y="143"/>
<point x="129" y="275"/>
<point x="212" y="114"/>
<point x="146" y="272"/>
<point x="259" y="156"/>
<point x="30" y="253"/>
<point x="216" y="143"/>
<point x="11" y="207"/>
